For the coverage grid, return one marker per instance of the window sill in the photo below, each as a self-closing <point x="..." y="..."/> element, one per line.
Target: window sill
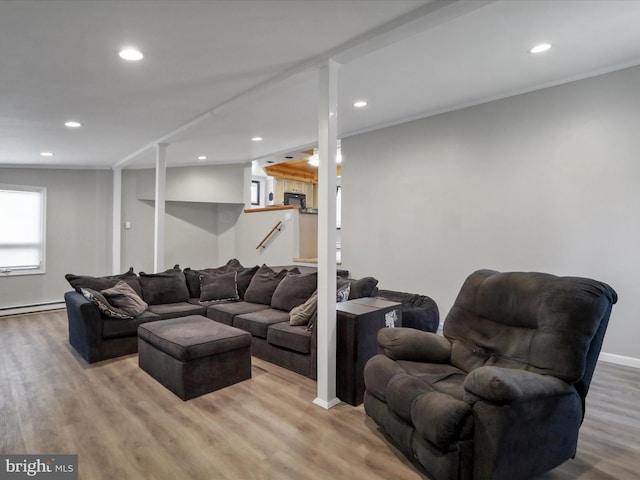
<point x="19" y="273"/>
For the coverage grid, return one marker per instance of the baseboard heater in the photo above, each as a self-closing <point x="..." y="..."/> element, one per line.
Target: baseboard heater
<point x="35" y="307"/>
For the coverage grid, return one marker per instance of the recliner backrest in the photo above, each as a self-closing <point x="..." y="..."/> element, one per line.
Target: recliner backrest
<point x="531" y="321"/>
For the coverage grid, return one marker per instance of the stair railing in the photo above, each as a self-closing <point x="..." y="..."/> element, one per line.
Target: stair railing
<point x="262" y="244"/>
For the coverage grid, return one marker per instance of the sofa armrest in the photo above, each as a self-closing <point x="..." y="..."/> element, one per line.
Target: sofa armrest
<point x="503" y="386"/>
<point x="414" y="345"/>
<point x="313" y="367"/>
<point x="85" y="325"/>
<point x="527" y="423"/>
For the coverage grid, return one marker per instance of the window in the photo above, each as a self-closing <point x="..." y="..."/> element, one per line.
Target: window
<point x="255" y="192"/>
<point x="339" y="207"/>
<point x="22" y="229"/>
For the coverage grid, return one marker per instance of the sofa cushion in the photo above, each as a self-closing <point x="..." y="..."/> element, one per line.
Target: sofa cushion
<point x="102" y="283"/>
<point x="296" y="338"/>
<point x="301" y="314"/>
<point x="257" y="323"/>
<point x="125" y="298"/>
<point x="103" y="304"/>
<point x="244" y="279"/>
<point x="179" y="309"/>
<point x="225" y="312"/>
<point x="115" y="328"/>
<point x="222" y="286"/>
<point x="449" y="420"/>
<point x="169" y="286"/>
<point x="294" y="290"/>
<point x="193" y="276"/>
<point x="263" y="284"/>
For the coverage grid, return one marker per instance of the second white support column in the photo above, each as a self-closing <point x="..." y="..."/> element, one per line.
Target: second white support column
<point x="160" y="196"/>
<point x="326" y="323"/>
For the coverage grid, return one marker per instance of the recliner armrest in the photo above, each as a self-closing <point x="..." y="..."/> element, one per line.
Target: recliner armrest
<point x="414" y="345"/>
<point x="507" y="385"/>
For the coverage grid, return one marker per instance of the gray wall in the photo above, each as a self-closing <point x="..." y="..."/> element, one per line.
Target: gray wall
<point x="207" y="183"/>
<point x="282" y="246"/>
<point x="199" y="233"/>
<point x="78" y="232"/>
<point x="546" y="181"/>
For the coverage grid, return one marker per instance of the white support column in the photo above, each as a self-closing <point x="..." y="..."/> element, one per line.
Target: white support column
<point x="326" y="324"/>
<point x="161" y="184"/>
<point x="116" y="221"/>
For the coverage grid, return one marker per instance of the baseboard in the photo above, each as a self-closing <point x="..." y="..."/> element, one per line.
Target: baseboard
<point x="326" y="405"/>
<point x="620" y="360"/>
<point x="40" y="307"/>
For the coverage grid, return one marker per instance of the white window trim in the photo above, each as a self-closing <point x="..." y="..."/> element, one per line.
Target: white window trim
<point x="4" y="272"/>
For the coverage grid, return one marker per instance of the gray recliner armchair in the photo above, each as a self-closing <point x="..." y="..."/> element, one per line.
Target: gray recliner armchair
<point x="502" y="394"/>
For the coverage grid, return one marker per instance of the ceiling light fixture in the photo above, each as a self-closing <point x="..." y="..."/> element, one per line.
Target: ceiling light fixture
<point x="46" y="154"/>
<point x="543" y="47"/>
<point x="314" y="160"/>
<point x="360" y="104"/>
<point x="202" y="157"/>
<point x="72" y="124"/>
<point x="131" y="54"/>
<point x="256" y="139"/>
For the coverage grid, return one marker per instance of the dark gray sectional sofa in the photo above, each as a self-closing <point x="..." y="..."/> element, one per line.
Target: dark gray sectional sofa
<point x="259" y="300"/>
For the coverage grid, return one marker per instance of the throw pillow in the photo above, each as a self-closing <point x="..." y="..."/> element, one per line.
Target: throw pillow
<point x="342" y="294"/>
<point x="169" y="286"/>
<point x="192" y="278"/>
<point x="100" y="283"/>
<point x="219" y="287"/>
<point x="301" y="314"/>
<point x="234" y="263"/>
<point x="263" y="284"/>
<point x="123" y="297"/>
<point x="294" y="290"/>
<point x="103" y="304"/>
<point x="244" y="279"/>
<point x="364" y="287"/>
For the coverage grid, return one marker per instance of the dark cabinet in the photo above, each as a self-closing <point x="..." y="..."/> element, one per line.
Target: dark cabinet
<point x="358" y="322"/>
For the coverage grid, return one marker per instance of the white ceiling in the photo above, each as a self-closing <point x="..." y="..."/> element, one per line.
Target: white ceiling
<point x="219" y="72"/>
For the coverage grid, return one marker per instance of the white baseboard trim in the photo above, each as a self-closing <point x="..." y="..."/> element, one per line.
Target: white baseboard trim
<point x="326" y="404"/>
<point x="620" y="360"/>
<point x="43" y="307"/>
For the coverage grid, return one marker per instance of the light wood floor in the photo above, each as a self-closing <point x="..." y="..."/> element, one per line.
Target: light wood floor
<point x="125" y="425"/>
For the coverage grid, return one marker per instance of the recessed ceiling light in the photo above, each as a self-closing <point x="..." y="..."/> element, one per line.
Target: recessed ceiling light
<point x="314" y="160"/>
<point x="131" y="54"/>
<point x="289" y="157"/>
<point x="256" y="139"/>
<point x="46" y="154"/>
<point x="72" y="124"/>
<point x="202" y="157"/>
<point x="543" y="47"/>
<point x="360" y="104"/>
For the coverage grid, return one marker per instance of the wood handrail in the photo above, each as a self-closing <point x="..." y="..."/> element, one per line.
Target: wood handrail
<point x="264" y="240"/>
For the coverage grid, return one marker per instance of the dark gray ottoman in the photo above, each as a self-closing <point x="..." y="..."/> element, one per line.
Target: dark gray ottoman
<point x="193" y="355"/>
